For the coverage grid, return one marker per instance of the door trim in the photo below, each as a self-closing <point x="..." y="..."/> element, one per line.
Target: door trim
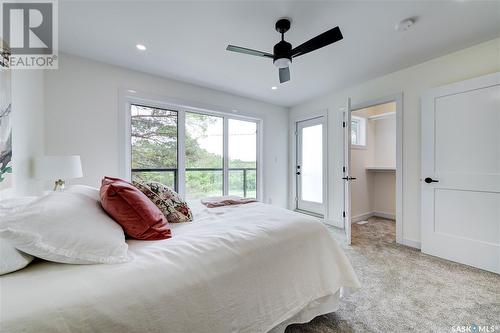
<point x="398" y="99"/>
<point x="346" y="171"/>
<point x="293" y="162"/>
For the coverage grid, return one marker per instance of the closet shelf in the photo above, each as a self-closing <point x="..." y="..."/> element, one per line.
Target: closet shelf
<point x="380" y="169"/>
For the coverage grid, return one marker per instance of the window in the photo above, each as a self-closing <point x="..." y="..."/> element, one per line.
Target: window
<point x="242" y="142"/>
<point x="207" y="142"/>
<point x="312" y="163"/>
<point x="204" y="155"/>
<point x="358" y="131"/>
<point x="154" y="144"/>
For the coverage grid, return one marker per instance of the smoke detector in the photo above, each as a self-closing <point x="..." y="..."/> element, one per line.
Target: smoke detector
<point x="405" y="24"/>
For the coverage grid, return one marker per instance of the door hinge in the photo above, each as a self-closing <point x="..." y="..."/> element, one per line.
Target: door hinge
<point x="343" y="214"/>
<point x="343" y="124"/>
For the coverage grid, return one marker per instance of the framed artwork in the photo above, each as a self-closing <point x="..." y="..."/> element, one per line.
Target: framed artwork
<point x="5" y="119"/>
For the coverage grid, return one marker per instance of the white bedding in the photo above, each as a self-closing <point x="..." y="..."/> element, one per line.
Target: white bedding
<point x="249" y="268"/>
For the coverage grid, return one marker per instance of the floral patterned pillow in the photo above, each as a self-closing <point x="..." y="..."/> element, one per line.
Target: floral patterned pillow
<point x="167" y="200"/>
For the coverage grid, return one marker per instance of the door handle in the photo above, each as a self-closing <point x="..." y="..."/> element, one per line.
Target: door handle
<point x="349" y="178"/>
<point x="298" y="173"/>
<point x="429" y="180"/>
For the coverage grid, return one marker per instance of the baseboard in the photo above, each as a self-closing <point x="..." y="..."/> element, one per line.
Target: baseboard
<point x="365" y="216"/>
<point x="361" y="217"/>
<point x="411" y="243"/>
<point x="384" y="215"/>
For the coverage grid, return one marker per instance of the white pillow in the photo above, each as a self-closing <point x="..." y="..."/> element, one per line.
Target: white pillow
<point x="11" y="259"/>
<point x="89" y="191"/>
<point x="68" y="227"/>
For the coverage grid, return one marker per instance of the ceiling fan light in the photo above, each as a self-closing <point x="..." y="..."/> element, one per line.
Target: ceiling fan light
<point x="282" y="62"/>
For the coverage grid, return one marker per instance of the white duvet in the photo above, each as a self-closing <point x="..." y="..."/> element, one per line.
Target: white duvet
<point x="249" y="268"/>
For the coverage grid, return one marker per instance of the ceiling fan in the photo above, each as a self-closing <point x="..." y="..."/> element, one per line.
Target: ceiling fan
<point x="283" y="51"/>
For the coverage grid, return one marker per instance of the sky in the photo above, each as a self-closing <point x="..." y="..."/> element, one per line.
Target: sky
<point x="242" y="140"/>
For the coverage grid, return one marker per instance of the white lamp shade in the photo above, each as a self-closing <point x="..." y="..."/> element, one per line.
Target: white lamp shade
<point x="58" y="167"/>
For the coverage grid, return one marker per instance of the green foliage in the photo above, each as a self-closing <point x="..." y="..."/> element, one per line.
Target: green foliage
<point x="154" y="139"/>
<point x="164" y="177"/>
<point x="154" y="145"/>
<point x="196" y="129"/>
<point x="201" y="184"/>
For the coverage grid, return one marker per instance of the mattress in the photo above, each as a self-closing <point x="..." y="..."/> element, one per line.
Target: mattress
<point x="248" y="268"/>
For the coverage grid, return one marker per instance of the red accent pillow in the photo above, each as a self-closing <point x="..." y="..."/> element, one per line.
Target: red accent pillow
<point x="138" y="216"/>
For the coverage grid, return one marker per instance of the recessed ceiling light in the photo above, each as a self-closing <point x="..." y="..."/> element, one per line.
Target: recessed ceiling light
<point x="274" y="87"/>
<point x="131" y="91"/>
<point x="141" y="47"/>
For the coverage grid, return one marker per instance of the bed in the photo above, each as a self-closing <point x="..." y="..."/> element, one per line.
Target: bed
<point x="247" y="268"/>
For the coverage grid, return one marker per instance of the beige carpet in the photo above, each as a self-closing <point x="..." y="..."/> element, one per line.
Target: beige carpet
<point x="407" y="291"/>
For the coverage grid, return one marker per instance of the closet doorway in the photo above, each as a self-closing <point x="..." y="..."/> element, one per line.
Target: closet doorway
<point x="374" y="170"/>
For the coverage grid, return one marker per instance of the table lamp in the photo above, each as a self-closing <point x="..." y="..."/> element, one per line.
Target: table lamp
<point x="58" y="168"/>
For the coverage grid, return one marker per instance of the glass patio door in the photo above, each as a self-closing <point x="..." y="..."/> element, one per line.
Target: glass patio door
<point x="311" y="166"/>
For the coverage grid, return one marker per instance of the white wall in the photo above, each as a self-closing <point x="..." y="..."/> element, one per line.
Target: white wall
<point x="465" y="64"/>
<point x="384" y="198"/>
<point x="27" y="129"/>
<point x="385" y="141"/>
<point x="362" y="187"/>
<point x="384" y="183"/>
<point x="82" y="105"/>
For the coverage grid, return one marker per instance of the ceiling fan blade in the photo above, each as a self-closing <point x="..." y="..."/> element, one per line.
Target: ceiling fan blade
<point x="244" y="50"/>
<point x="284" y="74"/>
<point x="324" y="39"/>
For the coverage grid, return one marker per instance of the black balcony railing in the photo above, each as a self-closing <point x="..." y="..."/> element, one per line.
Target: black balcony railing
<point x="174" y="173"/>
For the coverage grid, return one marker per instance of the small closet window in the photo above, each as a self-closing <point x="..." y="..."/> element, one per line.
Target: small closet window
<point x="358" y="131"/>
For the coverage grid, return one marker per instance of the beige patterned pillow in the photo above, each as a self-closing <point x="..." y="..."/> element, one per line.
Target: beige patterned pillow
<point x="167" y="200"/>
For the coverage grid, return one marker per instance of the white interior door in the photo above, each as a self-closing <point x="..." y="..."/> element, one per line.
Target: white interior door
<point x="346" y="171"/>
<point x="310" y="167"/>
<point x="461" y="172"/>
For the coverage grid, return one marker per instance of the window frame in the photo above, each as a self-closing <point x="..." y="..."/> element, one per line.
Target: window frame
<point x="127" y="97"/>
<point x="175" y="170"/>
<point x="361" y="132"/>
<point x="228" y="168"/>
<point x="223" y="150"/>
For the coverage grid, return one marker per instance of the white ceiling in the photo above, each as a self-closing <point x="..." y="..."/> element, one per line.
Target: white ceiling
<point x="187" y="40"/>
